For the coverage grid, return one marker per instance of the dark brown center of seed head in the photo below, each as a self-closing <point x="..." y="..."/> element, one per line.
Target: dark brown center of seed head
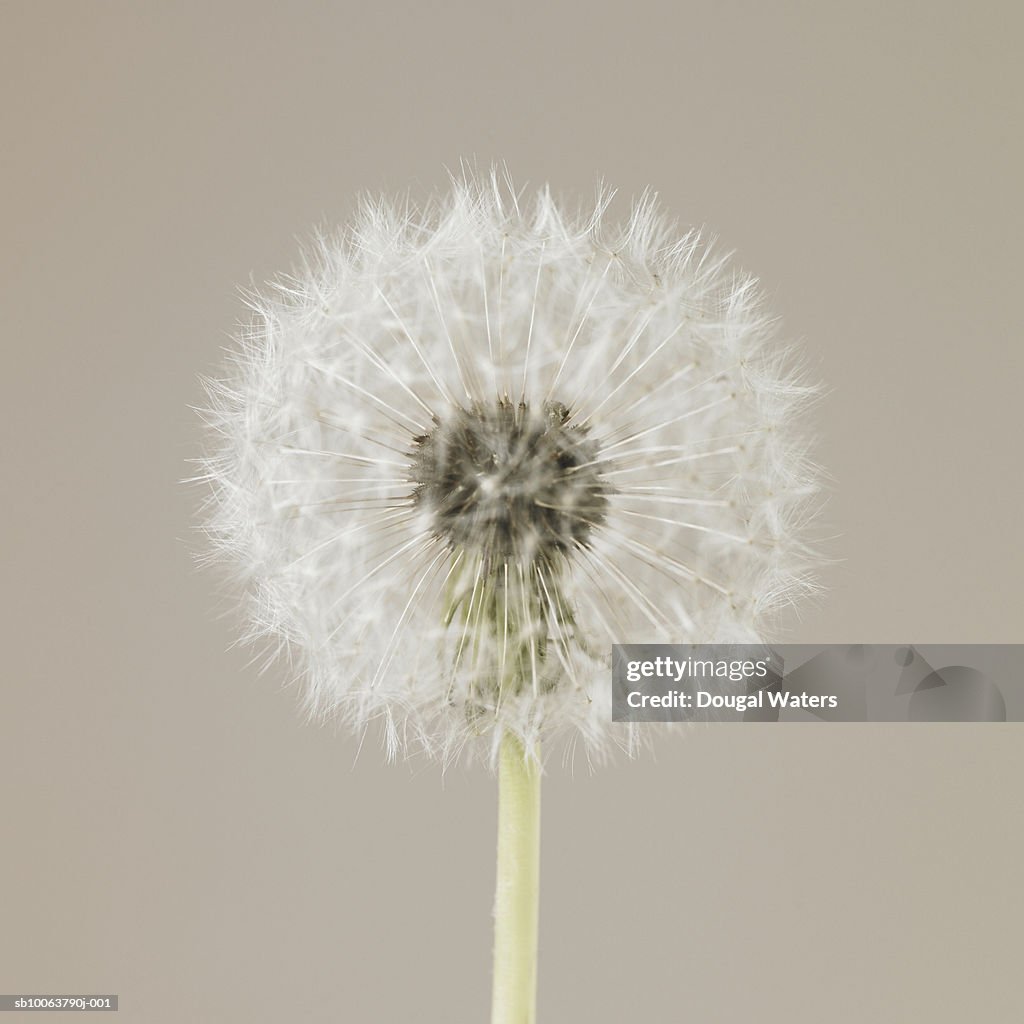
<point x="510" y="481"/>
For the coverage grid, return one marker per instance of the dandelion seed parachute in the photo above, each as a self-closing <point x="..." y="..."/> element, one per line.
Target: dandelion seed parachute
<point x="472" y="445"/>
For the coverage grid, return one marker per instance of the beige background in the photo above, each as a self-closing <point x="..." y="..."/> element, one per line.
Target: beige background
<point x="173" y="832"/>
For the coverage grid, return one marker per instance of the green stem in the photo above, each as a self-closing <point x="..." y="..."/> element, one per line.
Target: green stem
<point x="516" y="901"/>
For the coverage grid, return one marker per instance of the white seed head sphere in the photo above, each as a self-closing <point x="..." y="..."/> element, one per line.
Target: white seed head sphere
<point x="473" y="445"/>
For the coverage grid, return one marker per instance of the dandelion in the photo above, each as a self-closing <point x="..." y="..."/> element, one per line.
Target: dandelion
<point x="472" y="445"/>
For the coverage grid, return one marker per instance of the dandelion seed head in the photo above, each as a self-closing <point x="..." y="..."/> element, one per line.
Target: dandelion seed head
<point x="467" y="447"/>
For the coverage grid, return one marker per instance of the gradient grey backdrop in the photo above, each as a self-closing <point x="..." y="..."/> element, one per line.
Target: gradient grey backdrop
<point x="173" y="832"/>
